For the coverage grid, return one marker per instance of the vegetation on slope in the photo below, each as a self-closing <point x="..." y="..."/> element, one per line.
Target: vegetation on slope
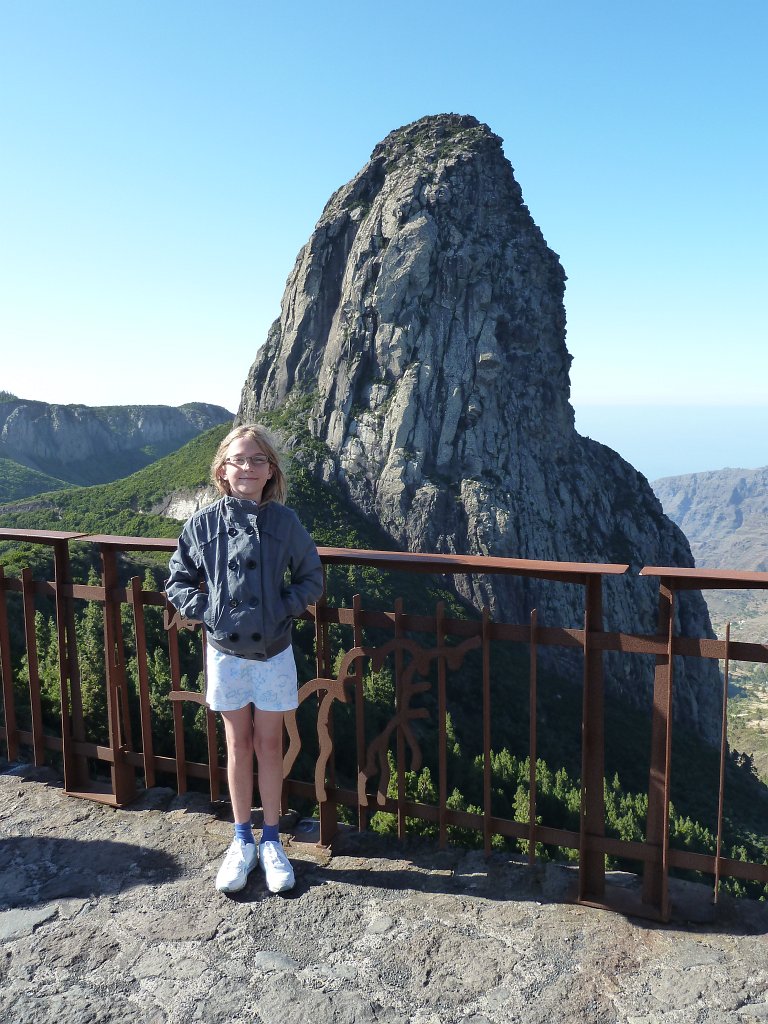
<point x="17" y="481"/>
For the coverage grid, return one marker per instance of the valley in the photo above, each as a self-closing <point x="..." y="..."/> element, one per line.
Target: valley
<point x="724" y="514"/>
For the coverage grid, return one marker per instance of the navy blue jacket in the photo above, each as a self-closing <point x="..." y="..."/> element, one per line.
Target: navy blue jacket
<point x="261" y="569"/>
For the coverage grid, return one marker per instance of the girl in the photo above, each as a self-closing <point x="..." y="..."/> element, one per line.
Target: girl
<point x="261" y="570"/>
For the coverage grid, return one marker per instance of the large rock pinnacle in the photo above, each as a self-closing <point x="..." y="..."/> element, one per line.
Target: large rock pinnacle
<point x="423" y="331"/>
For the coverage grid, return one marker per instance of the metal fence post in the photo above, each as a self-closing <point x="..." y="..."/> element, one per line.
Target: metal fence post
<point x="655" y="875"/>
<point x="591" y="861"/>
<point x="72" y="720"/>
<point x="123" y="774"/>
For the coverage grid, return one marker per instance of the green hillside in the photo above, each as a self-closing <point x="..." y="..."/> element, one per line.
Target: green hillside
<point x="17" y="481"/>
<point x="121" y="507"/>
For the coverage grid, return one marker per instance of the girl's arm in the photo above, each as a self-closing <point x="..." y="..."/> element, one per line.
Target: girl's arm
<point x="306" y="574"/>
<point x="182" y="587"/>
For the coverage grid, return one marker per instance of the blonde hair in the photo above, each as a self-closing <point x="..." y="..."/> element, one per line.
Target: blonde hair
<point x="276" y="488"/>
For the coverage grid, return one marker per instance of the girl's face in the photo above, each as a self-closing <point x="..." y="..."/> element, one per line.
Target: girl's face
<point x="246" y="469"/>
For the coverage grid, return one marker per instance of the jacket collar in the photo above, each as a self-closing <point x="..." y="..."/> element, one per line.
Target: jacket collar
<point x="240" y="506"/>
<point x="263" y="515"/>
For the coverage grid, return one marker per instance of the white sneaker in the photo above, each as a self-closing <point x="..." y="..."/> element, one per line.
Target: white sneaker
<point x="276" y="867"/>
<point x="240" y="859"/>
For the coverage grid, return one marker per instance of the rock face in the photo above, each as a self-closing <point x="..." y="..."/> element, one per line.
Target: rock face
<point x="422" y="331"/>
<point x="182" y="504"/>
<point x="723" y="513"/>
<point x="87" y="445"/>
<point x="112" y="917"/>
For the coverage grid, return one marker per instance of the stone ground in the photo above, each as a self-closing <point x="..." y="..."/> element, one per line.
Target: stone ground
<point x="111" y="915"/>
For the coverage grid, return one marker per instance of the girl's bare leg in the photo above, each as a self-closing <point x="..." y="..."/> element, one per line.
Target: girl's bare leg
<point x="238" y="729"/>
<point x="268" y="744"/>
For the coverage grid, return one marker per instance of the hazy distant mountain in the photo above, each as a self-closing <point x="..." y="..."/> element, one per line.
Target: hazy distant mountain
<point x="79" y="444"/>
<point x="724" y="515"/>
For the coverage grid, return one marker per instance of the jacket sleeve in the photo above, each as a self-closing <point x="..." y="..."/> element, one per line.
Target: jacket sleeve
<point x="182" y="586"/>
<point x="306" y="573"/>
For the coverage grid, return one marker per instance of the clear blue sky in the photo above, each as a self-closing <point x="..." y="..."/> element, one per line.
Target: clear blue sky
<point x="162" y="162"/>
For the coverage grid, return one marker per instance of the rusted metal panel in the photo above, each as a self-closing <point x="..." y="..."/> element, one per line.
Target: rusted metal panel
<point x="108" y="540"/>
<point x="655" y="878"/>
<point x="567" y="572"/>
<point x="707" y="579"/>
<point x="10" y="728"/>
<point x="723" y="754"/>
<point x="72" y="719"/>
<point x="172" y="632"/>
<point x="592" y="864"/>
<point x="39" y="536"/>
<point x="118" y="721"/>
<point x="487" y="736"/>
<point x="442" y="732"/>
<point x="358" y="642"/>
<point x="35" y="703"/>
<point x="532" y="737"/>
<point x="145" y="716"/>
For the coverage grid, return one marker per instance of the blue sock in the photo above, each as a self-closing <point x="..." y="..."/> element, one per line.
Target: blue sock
<point x="244" y="832"/>
<point x="270" y="834"/>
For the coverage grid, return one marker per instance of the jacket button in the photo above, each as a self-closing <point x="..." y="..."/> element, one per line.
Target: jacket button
<point x="232" y="563"/>
<point x="253" y="601"/>
<point x="249" y="530"/>
<point x="256" y="637"/>
<point x="232" y="531"/>
<point x="250" y="564"/>
<point x="233" y="602"/>
<point x="234" y="637"/>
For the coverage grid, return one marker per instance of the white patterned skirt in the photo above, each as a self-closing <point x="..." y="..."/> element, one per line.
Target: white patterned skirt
<point x="233" y="683"/>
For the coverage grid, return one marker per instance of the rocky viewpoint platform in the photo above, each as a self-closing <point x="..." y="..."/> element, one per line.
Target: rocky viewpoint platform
<point x="111" y="915"/>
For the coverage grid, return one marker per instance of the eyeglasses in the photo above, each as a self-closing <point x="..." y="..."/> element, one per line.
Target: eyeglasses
<point x="241" y="461"/>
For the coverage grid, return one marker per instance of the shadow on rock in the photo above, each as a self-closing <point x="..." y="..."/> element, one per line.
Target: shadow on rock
<point x="365" y="861"/>
<point x="512" y="882"/>
<point x="35" y="870"/>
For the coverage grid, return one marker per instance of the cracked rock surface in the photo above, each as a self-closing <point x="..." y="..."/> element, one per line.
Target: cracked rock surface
<point x="111" y="915"/>
<point x="422" y="340"/>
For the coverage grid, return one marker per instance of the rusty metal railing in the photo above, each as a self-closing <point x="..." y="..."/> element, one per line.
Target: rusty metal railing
<point x="424" y="648"/>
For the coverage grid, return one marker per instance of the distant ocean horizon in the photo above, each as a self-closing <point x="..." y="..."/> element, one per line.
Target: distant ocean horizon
<point x="667" y="440"/>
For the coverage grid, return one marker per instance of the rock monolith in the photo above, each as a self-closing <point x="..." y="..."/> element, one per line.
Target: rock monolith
<point x="422" y="338"/>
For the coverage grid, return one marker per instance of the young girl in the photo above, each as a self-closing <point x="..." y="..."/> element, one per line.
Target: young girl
<point x="261" y="570"/>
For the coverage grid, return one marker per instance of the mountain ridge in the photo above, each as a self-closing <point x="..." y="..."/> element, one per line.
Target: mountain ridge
<point x="723" y="513"/>
<point x="85" y="445"/>
<point x="134" y="505"/>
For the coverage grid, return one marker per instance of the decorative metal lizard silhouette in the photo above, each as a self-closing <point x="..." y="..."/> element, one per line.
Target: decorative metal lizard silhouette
<point x="347" y="682"/>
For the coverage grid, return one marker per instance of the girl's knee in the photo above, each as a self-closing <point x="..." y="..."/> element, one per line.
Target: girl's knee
<point x="239" y="736"/>
<point x="268" y="747"/>
<point x="268" y="734"/>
